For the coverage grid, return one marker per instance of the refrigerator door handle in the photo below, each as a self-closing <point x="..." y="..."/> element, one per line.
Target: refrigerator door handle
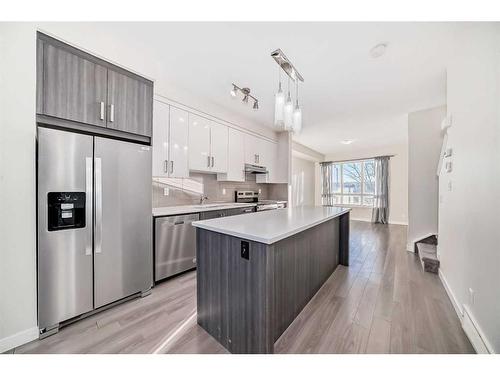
<point x="98" y="206"/>
<point x="88" y="202"/>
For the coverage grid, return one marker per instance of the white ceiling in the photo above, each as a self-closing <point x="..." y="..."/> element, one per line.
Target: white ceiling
<point x="346" y="93"/>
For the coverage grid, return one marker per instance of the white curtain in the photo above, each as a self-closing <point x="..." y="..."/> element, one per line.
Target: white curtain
<point x="327" y="188"/>
<point x="380" y="213"/>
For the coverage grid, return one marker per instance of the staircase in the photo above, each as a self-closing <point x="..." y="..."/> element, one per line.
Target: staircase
<point x="427" y="252"/>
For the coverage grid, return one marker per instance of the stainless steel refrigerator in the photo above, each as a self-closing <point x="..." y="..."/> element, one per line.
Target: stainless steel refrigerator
<point x="94" y="224"/>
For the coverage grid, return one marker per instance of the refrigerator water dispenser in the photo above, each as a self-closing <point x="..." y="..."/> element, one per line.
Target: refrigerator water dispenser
<point x="66" y="210"/>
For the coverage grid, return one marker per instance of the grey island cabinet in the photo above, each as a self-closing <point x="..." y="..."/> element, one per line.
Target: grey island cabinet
<point x="256" y="272"/>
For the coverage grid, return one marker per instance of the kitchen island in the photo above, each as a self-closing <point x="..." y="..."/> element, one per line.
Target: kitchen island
<point x="256" y="272"/>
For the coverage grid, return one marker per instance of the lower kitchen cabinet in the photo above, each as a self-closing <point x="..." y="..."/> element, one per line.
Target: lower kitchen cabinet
<point x="223" y="213"/>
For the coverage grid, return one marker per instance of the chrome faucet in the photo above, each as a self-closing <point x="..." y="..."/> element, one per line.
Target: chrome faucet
<point x="203" y="198"/>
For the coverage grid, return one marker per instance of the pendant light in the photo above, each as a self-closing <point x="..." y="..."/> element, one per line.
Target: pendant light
<point x="288" y="110"/>
<point x="297" y="112"/>
<point x="279" y="105"/>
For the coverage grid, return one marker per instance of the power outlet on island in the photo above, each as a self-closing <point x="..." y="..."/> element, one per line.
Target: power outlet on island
<point x="245" y="250"/>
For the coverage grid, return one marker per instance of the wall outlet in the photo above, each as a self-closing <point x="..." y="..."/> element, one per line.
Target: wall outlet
<point x="450" y="186"/>
<point x="245" y="250"/>
<point x="260" y="191"/>
<point x="166" y="191"/>
<point x="471" y="297"/>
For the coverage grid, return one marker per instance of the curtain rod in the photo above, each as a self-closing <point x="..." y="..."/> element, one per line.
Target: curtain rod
<point x="348" y="160"/>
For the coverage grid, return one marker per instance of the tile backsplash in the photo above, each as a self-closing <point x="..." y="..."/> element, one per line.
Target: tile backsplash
<point x="185" y="191"/>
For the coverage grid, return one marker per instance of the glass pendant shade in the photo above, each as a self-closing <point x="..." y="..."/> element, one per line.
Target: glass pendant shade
<point x="279" y="105"/>
<point x="297" y="119"/>
<point x="288" y="113"/>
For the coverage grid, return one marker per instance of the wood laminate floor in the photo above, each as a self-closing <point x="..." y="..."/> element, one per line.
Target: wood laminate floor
<point x="382" y="303"/>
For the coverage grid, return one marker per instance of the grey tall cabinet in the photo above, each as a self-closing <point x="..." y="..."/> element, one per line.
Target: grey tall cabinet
<point x="79" y="88"/>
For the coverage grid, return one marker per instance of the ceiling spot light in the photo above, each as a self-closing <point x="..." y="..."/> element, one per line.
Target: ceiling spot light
<point x="378" y="50"/>
<point x="246" y="94"/>
<point x="347" y="141"/>
<point x="233" y="91"/>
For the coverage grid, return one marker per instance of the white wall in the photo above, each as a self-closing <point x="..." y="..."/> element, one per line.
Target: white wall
<point x="398" y="175"/>
<point x="17" y="186"/>
<point x="303" y="182"/>
<point x="469" y="212"/>
<point x="17" y="147"/>
<point x="424" y="148"/>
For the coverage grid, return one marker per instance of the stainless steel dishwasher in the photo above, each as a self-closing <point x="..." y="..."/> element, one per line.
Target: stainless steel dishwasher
<point x="175" y="245"/>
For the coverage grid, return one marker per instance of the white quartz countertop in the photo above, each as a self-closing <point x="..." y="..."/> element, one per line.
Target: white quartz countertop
<point x="272" y="226"/>
<point x="181" y="210"/>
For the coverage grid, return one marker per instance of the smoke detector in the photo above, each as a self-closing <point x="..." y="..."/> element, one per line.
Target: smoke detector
<point x="378" y="50"/>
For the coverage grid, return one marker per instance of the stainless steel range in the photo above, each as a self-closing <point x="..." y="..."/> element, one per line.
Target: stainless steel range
<point x="249" y="196"/>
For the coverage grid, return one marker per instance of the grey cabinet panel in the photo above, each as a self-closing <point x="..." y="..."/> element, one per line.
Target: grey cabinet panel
<point x="211" y="214"/>
<point x="73" y="87"/>
<point x="229" y="212"/>
<point x="130" y="103"/>
<point x="239" y="211"/>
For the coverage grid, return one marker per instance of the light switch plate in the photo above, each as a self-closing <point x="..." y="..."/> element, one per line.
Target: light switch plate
<point x="223" y="191"/>
<point x="166" y="191"/>
<point x="471" y="296"/>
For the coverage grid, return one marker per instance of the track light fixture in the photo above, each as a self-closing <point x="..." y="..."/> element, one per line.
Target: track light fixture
<point x="246" y="94"/>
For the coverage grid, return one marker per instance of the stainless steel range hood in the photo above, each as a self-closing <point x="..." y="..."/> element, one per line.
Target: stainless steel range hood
<point x="255" y="169"/>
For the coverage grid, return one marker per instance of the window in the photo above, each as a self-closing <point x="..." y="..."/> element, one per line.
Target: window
<point x="350" y="183"/>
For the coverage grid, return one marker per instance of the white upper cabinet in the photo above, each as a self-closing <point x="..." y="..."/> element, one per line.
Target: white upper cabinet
<point x="179" y="148"/>
<point x="170" y="141"/>
<point x="236" y="157"/>
<point x="208" y="145"/>
<point x="199" y="144"/>
<point x="268" y="155"/>
<point x="218" y="147"/>
<point x="253" y="149"/>
<point x="160" y="139"/>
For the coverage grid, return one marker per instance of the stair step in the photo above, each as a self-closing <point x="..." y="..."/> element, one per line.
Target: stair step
<point x="428" y="257"/>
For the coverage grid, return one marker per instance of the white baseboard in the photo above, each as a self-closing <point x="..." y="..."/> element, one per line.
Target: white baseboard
<point x="369" y="221"/>
<point x="454" y="300"/>
<point x="475" y="334"/>
<point x="398" y="222"/>
<point x="20" y="338"/>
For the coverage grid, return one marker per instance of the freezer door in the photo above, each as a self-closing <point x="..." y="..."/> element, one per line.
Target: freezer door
<point x="123" y="220"/>
<point x="64" y="240"/>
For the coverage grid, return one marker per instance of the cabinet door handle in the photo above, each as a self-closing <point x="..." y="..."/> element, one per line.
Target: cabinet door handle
<point x="208" y="161"/>
<point x="213" y="161"/>
<point x="102" y="110"/>
<point x="165" y="166"/>
<point x="171" y="166"/>
<point x="111" y="113"/>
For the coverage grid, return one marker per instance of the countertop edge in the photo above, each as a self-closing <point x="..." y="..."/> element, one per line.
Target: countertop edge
<point x="270" y="241"/>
